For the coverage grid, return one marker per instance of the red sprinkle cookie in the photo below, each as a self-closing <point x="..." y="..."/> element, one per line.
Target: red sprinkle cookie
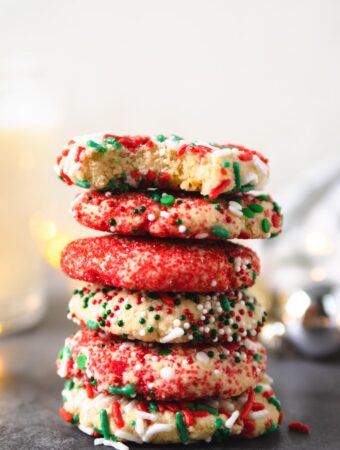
<point x="112" y="418"/>
<point x="177" y="215"/>
<point x="158" y="372"/>
<point x="161" y="265"/>
<point x="166" y="317"/>
<point x="110" y="162"/>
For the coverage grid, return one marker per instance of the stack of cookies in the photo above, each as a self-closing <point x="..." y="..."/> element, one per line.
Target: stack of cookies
<point x="167" y="351"/>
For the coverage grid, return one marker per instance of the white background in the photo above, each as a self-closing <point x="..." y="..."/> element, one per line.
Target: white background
<point x="264" y="74"/>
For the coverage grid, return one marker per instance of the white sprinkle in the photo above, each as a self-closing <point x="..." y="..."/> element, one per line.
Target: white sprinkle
<point x="236" y="212"/>
<point x="165" y="214"/>
<point x="221" y="331"/>
<point x="207" y="329"/>
<point x="176" y="322"/>
<point x="107" y="443"/>
<point x="172" y="335"/>
<point x="203" y="358"/>
<point x="260" y="164"/>
<point x="108" y="194"/>
<point x="238" y="262"/>
<point x="145" y="415"/>
<point x="186" y="325"/>
<point x="167" y="373"/>
<point x="190" y="337"/>
<point x="127" y="436"/>
<point x="213" y="283"/>
<point x="201" y="235"/>
<point x="256" y="415"/>
<point x="250" y="178"/>
<point x="182" y="228"/>
<point x="157" y="428"/>
<point x="151" y="217"/>
<point x="130" y="406"/>
<point x="138" y="366"/>
<point x="139" y="426"/>
<point x="232" y="419"/>
<point x="142" y="332"/>
<point x="216" y="372"/>
<point x="199" y="307"/>
<point x="161" y="151"/>
<point x="112" y="228"/>
<point x="86" y="430"/>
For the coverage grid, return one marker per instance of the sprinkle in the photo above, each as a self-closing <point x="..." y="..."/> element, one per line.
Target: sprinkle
<point x="167" y="200"/>
<point x="81" y="362"/>
<point x="182" y="228"/>
<point x="260" y="164"/>
<point x="256" y="415"/>
<point x="117" y="415"/>
<point x="265" y="225"/>
<point x="274" y="401"/>
<point x="128" y="389"/>
<point x="248" y="405"/>
<point x="155" y="429"/>
<point x="299" y="426"/>
<point x="86" y="430"/>
<point x="182" y="430"/>
<point x="255" y="207"/>
<point x="99" y="148"/>
<point x="104" y="424"/>
<point x="248" y="213"/>
<point x="151" y="217"/>
<point x="114" y="142"/>
<point x="108" y="443"/>
<point x="237" y="174"/>
<point x="145" y="415"/>
<point x="65" y="415"/>
<point x="213" y="283"/>
<point x="92" y="324"/>
<point x="128" y="436"/>
<point x="83" y="183"/>
<point x="172" y="335"/>
<point x="220" y="231"/>
<point x="203" y="358"/>
<point x="210" y="409"/>
<point x="232" y="419"/>
<point x="225" y="304"/>
<point x="167" y="373"/>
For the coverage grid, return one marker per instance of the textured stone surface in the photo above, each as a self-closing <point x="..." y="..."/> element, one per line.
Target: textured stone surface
<point x="30" y="396"/>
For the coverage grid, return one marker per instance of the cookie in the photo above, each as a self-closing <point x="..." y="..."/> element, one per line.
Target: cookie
<point x="106" y="161"/>
<point x="161" y="265"/>
<point x="155" y="371"/>
<point x="166" y="317"/>
<point x="177" y="215"/>
<point x="115" y="418"/>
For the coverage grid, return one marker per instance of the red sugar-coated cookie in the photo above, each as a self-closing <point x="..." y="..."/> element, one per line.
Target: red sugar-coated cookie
<point x="174" y="372"/>
<point x="178" y="215"/>
<point x="159" y="265"/>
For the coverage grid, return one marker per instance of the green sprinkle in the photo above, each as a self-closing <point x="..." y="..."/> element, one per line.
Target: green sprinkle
<point x="182" y="430"/>
<point x="248" y="213"/>
<point x="142" y="208"/>
<point x="157" y="317"/>
<point x="128" y="389"/>
<point x="99" y="148"/>
<point x="133" y="423"/>
<point x="120" y="323"/>
<point x="81" y="362"/>
<point x="174" y="137"/>
<point x="263" y="197"/>
<point x="179" y="221"/>
<point x="265" y="225"/>
<point x="104" y="424"/>
<point x="153" y="407"/>
<point x="247" y="188"/>
<point x="273" y="427"/>
<point x="274" y="401"/>
<point x="142" y="321"/>
<point x="210" y="353"/>
<point x="255" y="207"/>
<point x="237" y="174"/>
<point x="167" y="200"/>
<point x="75" y="418"/>
<point x="220" y="231"/>
<point x="257" y="357"/>
<point x="112" y="222"/>
<point x="160" y="138"/>
<point x="83" y="183"/>
<point x="226" y="164"/>
<point x="250" y="306"/>
<point x="222" y="356"/>
<point x="218" y="207"/>
<point x="150" y="329"/>
<point x="254" y="275"/>
<point x="92" y="324"/>
<point x="69" y="385"/>
<point x="258" y="389"/>
<point x="218" y="423"/>
<point x="112" y="141"/>
<point x="128" y="306"/>
<point x="225" y="304"/>
<point x="164" y="351"/>
<point x="136" y="211"/>
<point x="237" y="359"/>
<point x="203" y="407"/>
<point x="156" y="197"/>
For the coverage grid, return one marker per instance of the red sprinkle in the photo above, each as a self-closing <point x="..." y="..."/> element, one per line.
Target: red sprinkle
<point x="65" y="415"/>
<point x="117" y="415"/>
<point x="188" y="417"/>
<point x="219" y="189"/>
<point x="299" y="427"/>
<point x="248" y="405"/>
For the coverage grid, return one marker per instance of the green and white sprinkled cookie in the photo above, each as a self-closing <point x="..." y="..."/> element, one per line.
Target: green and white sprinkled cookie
<point x="167" y="317"/>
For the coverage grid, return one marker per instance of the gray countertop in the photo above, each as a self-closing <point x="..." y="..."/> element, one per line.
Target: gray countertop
<point x="30" y="396"/>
